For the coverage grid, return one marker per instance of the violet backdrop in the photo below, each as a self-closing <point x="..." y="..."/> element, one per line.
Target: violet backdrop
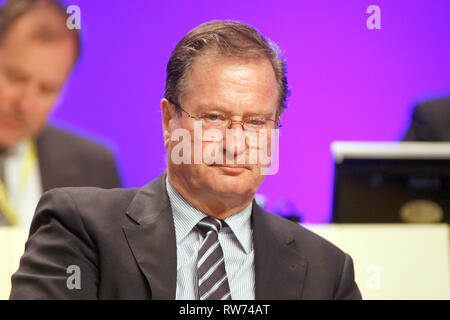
<point x="347" y="82"/>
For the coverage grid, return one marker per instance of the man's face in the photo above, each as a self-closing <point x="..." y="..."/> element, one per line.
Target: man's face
<point x="32" y="74"/>
<point x="240" y="89"/>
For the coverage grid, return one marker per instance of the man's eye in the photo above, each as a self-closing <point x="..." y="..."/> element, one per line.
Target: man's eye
<point x="213" y="117"/>
<point x="256" y="122"/>
<point x="48" y="90"/>
<point x="14" y="77"/>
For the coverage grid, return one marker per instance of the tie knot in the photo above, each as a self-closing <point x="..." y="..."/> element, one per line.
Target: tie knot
<point x="210" y="224"/>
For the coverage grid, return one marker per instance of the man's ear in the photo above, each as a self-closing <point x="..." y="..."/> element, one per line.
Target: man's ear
<point x="279" y="118"/>
<point x="168" y="114"/>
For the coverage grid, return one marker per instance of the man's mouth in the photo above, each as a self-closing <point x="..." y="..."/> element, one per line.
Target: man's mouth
<point x="231" y="169"/>
<point x="230" y="165"/>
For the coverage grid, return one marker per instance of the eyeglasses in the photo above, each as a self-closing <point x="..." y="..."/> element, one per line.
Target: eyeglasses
<point x="222" y="121"/>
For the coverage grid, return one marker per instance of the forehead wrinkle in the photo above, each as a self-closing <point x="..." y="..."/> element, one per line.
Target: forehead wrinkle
<point x="242" y="75"/>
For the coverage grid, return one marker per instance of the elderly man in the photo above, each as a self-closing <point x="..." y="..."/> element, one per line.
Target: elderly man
<point x="37" y="53"/>
<point x="195" y="232"/>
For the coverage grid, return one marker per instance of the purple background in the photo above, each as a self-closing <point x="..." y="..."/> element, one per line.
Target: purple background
<point x="347" y="82"/>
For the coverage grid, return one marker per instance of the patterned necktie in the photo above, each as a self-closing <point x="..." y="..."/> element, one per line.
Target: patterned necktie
<point x="211" y="274"/>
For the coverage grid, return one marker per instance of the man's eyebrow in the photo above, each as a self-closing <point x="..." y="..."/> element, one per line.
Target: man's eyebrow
<point x="211" y="106"/>
<point x="265" y="115"/>
<point x="218" y="107"/>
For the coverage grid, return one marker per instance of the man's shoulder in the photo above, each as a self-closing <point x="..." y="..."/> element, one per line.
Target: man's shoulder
<point x="102" y="207"/>
<point x="434" y="108"/>
<point x="66" y="159"/>
<point x="90" y="205"/>
<point x="306" y="240"/>
<point x="70" y="142"/>
<point x="87" y="195"/>
<point x="328" y="270"/>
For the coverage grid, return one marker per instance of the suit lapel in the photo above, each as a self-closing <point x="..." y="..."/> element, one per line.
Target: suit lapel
<point x="279" y="269"/>
<point x="152" y="238"/>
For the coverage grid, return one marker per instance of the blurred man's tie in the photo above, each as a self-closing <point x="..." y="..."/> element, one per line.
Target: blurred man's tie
<point x="212" y="277"/>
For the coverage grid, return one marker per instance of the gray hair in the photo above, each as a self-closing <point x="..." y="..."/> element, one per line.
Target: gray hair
<point x="227" y="38"/>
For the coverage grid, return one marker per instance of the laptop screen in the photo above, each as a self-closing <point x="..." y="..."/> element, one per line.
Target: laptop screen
<point x="391" y="182"/>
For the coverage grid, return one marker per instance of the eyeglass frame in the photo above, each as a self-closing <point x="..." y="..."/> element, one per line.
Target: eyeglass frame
<point x="242" y="122"/>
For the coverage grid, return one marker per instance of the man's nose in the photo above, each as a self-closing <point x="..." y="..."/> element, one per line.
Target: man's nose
<point x="235" y="139"/>
<point x="27" y="98"/>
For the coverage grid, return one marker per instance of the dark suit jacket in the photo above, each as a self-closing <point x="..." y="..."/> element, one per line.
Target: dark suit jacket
<point x="66" y="160"/>
<point x="123" y="241"/>
<point x="430" y="122"/>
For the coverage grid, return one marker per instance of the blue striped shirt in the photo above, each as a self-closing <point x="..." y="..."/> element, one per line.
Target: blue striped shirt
<point x="236" y="241"/>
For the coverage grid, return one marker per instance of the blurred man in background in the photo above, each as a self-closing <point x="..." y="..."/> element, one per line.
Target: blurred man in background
<point x="430" y="121"/>
<point x="37" y="53"/>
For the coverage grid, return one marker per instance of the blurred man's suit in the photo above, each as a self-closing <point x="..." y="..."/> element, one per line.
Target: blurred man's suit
<point x="123" y="241"/>
<point x="430" y="121"/>
<point x="63" y="160"/>
<point x="66" y="160"/>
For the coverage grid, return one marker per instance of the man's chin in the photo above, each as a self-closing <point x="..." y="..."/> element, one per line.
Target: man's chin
<point x="7" y="141"/>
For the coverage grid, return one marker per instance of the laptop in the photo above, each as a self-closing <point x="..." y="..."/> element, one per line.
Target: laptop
<point x="391" y="182"/>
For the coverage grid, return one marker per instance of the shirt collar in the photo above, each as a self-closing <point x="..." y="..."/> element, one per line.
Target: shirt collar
<point x="187" y="216"/>
<point x="17" y="150"/>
